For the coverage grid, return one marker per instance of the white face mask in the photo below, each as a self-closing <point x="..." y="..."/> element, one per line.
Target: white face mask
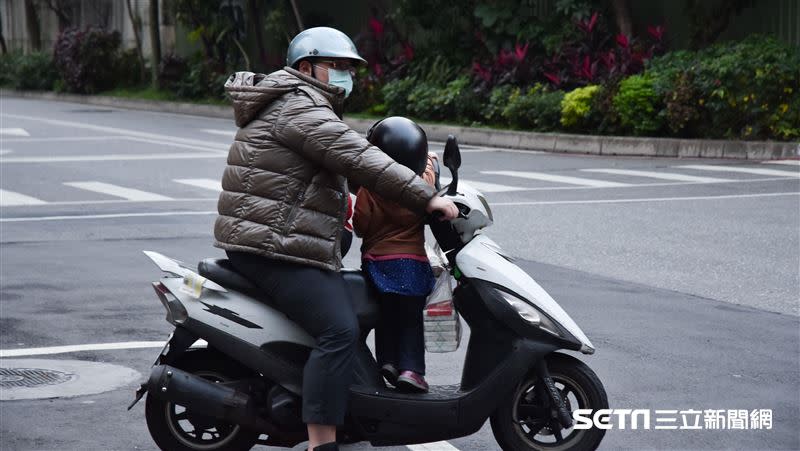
<point x="340" y="78"/>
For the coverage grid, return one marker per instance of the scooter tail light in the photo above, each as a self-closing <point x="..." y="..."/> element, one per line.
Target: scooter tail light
<point x="160" y="288"/>
<point x="176" y="312"/>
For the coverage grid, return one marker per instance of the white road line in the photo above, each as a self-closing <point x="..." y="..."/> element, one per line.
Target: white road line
<point x="221" y="150"/>
<point x="5" y="151"/>
<point x="786" y="162"/>
<point x="125" y="201"/>
<point x="228" y="133"/>
<point x="484" y="186"/>
<point x="108" y="216"/>
<point x="11" y="199"/>
<point x="468" y="148"/>
<point x="14" y="132"/>
<point x="113" y="157"/>
<point x="659" y="175"/>
<point x="210" y="147"/>
<point x="212" y="184"/>
<point x="435" y="446"/>
<point x="118" y="191"/>
<point x="105" y="129"/>
<point x="60" y="139"/>
<point x="559" y="179"/>
<point x="635" y="200"/>
<point x="757" y="171"/>
<point x="4" y="353"/>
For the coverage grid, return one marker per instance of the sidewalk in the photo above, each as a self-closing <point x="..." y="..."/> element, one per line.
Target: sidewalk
<point x="549" y="142"/>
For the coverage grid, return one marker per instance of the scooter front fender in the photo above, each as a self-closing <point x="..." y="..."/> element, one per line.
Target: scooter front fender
<point x="483" y="259"/>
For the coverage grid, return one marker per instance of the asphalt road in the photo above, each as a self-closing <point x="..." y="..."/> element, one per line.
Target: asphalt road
<point x="687" y="279"/>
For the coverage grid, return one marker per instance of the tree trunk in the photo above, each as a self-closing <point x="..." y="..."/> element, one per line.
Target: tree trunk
<point x="258" y="31"/>
<point x="64" y="21"/>
<point x="2" y="39"/>
<point x="622" y="15"/>
<point x="136" y="22"/>
<point x="297" y="15"/>
<point x="155" y="43"/>
<point x="34" y="29"/>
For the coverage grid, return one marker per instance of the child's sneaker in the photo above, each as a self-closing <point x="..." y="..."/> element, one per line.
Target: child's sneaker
<point x="390" y="373"/>
<point x="411" y="381"/>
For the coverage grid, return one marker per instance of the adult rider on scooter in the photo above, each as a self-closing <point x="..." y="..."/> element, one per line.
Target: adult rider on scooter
<point x="281" y="212"/>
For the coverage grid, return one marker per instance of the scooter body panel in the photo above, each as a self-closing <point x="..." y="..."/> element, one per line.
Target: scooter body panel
<point x="249" y="319"/>
<point x="249" y="331"/>
<point x="483" y="259"/>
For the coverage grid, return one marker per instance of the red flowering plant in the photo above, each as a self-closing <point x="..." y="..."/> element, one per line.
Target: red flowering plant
<point x="508" y="66"/>
<point x="388" y="55"/>
<point x="594" y="55"/>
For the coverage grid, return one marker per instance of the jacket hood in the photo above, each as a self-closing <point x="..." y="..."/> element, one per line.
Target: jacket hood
<point x="252" y="92"/>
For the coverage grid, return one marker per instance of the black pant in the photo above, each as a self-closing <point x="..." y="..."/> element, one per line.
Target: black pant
<point x="319" y="302"/>
<point x="400" y="337"/>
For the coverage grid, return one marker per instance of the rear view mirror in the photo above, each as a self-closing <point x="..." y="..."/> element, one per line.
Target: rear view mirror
<point x="452" y="160"/>
<point x="452" y="155"/>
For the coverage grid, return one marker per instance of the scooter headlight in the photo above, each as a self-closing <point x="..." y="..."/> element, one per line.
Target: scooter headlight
<point x="529" y="313"/>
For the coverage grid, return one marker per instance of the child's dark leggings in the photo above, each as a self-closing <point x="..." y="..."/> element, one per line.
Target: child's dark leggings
<point x="399" y="337"/>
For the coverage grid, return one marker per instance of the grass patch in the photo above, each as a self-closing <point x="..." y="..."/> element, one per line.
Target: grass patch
<point x="150" y="93"/>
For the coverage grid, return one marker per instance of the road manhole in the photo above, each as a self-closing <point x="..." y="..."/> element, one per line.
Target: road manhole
<point x="31" y="377"/>
<point x="44" y="379"/>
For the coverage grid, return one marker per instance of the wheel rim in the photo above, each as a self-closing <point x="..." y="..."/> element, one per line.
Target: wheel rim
<point x="536" y="422"/>
<point x="200" y="432"/>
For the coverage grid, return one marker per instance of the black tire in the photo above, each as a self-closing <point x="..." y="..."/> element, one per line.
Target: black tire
<point x="580" y="385"/>
<point x="166" y="427"/>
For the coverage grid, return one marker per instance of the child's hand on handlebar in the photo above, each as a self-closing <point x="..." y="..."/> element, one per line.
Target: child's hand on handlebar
<point x="445" y="207"/>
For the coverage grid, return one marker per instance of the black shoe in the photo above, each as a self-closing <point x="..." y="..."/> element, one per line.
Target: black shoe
<point x="332" y="446"/>
<point x="390" y="373"/>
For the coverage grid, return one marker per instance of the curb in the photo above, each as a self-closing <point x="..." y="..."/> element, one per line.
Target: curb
<point x="548" y="142"/>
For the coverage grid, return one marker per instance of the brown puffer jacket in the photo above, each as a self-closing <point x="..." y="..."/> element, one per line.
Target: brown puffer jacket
<point x="284" y="189"/>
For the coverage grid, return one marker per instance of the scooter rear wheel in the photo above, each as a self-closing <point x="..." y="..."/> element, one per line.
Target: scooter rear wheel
<point x="174" y="428"/>
<point x="525" y="421"/>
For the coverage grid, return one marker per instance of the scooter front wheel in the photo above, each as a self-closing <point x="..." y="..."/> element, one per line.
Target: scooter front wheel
<point x="175" y="428"/>
<point x="527" y="421"/>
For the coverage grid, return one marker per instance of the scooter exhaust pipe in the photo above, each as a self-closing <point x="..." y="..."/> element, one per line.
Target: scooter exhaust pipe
<point x="209" y="398"/>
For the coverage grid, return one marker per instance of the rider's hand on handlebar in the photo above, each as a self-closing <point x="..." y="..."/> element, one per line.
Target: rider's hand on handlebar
<point x="444" y="206"/>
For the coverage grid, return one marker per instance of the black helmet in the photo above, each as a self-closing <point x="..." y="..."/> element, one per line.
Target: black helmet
<point x="403" y="140"/>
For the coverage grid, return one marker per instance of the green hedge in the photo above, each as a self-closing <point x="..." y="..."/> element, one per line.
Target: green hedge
<point x="741" y="90"/>
<point x="744" y="90"/>
<point x="33" y="71"/>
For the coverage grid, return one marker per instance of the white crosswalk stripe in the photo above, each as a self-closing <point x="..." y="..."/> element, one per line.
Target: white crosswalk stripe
<point x="118" y="191"/>
<point x="435" y="446"/>
<point x="228" y="133"/>
<point x="785" y="162"/>
<point x="114" y="157"/>
<point x="744" y="170"/>
<point x="212" y="184"/>
<point x="14" y="132"/>
<point x="558" y="179"/>
<point x="12" y="199"/>
<point x="484" y="186"/>
<point x="658" y="175"/>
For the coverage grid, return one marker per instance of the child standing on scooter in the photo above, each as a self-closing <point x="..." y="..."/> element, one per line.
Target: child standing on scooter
<point x="394" y="258"/>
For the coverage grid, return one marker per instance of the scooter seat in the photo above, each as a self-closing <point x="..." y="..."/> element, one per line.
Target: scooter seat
<point x="364" y="302"/>
<point x="221" y="271"/>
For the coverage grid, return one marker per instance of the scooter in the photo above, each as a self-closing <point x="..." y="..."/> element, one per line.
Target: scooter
<point x="230" y="376"/>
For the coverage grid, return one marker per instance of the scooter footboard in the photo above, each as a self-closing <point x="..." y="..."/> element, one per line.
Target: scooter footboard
<point x="387" y="417"/>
